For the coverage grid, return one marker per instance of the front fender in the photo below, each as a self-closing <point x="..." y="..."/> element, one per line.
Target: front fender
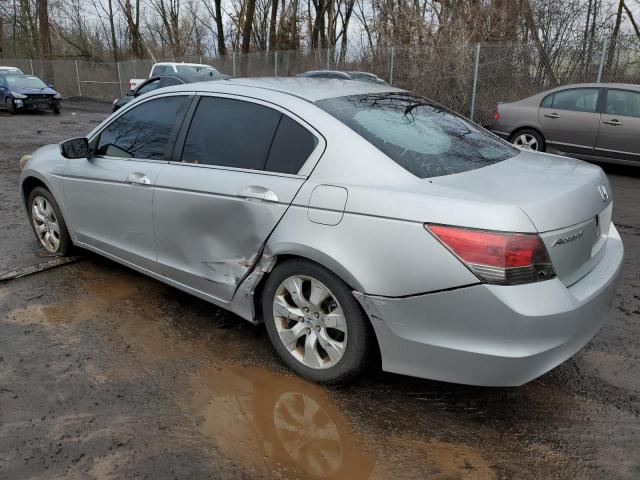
<point x="46" y="166"/>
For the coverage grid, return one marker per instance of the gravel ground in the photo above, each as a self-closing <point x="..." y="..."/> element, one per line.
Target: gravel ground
<point x="105" y="373"/>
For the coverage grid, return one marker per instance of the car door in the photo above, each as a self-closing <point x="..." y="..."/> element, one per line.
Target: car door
<point x="4" y="91"/>
<point x="619" y="134"/>
<point x="109" y="196"/>
<point x="570" y="120"/>
<point x="237" y="175"/>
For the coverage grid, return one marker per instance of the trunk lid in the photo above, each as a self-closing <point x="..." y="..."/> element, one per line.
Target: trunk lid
<point x="568" y="201"/>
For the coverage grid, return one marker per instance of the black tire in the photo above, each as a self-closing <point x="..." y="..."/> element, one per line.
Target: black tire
<point x="540" y="142"/>
<point x="66" y="246"/>
<point x="360" y="340"/>
<point x="11" y="107"/>
<point x="56" y="109"/>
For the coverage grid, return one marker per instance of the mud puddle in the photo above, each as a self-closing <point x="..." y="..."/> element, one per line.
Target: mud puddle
<point x="88" y="296"/>
<point x="280" y="426"/>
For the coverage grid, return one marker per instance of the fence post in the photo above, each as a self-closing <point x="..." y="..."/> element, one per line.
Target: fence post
<point x="31" y="63"/>
<point x="275" y="63"/>
<point x="119" y="79"/>
<point x="233" y="59"/>
<point x="602" y="59"/>
<point x="475" y="83"/>
<point x="329" y="58"/>
<point x="392" y="64"/>
<point x="78" y="79"/>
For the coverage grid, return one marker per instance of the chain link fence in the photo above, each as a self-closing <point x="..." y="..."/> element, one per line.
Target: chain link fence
<point x="469" y="78"/>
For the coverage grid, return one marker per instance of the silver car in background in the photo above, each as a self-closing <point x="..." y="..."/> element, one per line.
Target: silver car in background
<point x="358" y="221"/>
<point x="593" y="121"/>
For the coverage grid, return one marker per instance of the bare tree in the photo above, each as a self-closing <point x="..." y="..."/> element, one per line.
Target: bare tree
<point x="247" y="25"/>
<point x="45" y="38"/>
<point x="611" y="50"/>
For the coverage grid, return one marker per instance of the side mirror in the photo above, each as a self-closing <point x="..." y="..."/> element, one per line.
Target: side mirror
<point x="76" y="148"/>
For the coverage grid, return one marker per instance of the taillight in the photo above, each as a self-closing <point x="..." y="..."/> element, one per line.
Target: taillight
<point x="497" y="115"/>
<point x="496" y="257"/>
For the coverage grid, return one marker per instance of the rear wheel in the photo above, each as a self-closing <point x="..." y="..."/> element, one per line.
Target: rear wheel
<point x="314" y="322"/>
<point x="529" y="139"/>
<point x="48" y="223"/>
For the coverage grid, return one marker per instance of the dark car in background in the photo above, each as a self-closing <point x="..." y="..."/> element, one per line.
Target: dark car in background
<point x="27" y="92"/>
<point x="342" y="75"/>
<point x="591" y="121"/>
<point x="160" y="81"/>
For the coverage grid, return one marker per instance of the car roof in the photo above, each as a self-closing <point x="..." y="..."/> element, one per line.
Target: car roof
<point x="308" y="88"/>
<point x="25" y="75"/>
<point x="183" y="63"/>
<point x="629" y="86"/>
<point x="319" y="73"/>
<point x="364" y="74"/>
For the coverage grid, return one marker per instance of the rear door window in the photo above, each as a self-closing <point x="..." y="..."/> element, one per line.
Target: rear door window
<point x="144" y="131"/>
<point x="230" y="133"/>
<point x="576" y="99"/>
<point x="547" y="102"/>
<point x="291" y="147"/>
<point x="623" y="103"/>
<point x="424" y="138"/>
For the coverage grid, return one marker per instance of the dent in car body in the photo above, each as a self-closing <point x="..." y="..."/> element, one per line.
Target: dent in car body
<point x="243" y="303"/>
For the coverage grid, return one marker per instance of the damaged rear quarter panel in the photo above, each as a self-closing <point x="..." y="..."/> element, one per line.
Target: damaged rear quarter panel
<point x="373" y="255"/>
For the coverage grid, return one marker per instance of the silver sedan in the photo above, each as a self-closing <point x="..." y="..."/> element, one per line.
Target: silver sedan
<point x="590" y="121"/>
<point x="357" y="221"/>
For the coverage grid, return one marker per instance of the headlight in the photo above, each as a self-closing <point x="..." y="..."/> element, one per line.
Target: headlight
<point x="17" y="95"/>
<point x="57" y="96"/>
<point x="24" y="160"/>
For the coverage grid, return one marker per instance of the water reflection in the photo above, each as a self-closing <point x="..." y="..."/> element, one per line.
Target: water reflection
<point x="277" y="425"/>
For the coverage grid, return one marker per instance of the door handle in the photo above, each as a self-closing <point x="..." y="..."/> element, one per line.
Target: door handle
<point x="552" y="115"/>
<point x="613" y="122"/>
<point x="138" y="178"/>
<point x="257" y="193"/>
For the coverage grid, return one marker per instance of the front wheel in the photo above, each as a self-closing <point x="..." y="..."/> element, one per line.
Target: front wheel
<point x="11" y="106"/>
<point x="314" y="322"/>
<point x="55" y="109"/>
<point x="529" y="139"/>
<point x="48" y="224"/>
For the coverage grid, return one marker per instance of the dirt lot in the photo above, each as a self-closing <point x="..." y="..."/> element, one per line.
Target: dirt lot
<point x="105" y="373"/>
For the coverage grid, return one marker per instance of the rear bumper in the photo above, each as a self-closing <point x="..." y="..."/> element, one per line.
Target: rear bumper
<point x="494" y="335"/>
<point x="501" y="134"/>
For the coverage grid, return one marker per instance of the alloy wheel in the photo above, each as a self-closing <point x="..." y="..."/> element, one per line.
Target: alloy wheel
<point x="45" y="224"/>
<point x="526" y="141"/>
<point x="310" y="322"/>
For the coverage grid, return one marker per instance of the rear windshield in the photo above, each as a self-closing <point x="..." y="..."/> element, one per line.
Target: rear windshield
<point x="424" y="138"/>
